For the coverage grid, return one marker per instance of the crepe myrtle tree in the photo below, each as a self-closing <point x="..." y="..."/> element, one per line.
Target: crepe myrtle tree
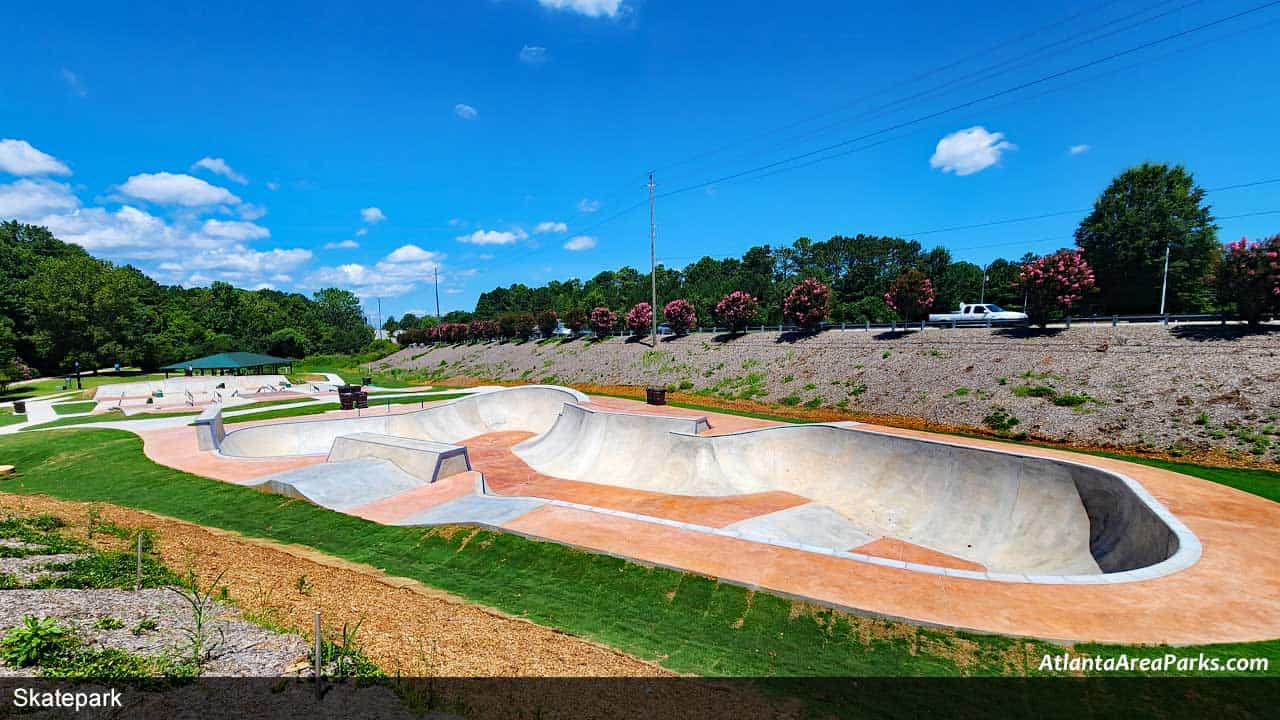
<point x="547" y="322"/>
<point x="1249" y="278"/>
<point x="680" y="316"/>
<point x="575" y="319"/>
<point x="639" y="318"/>
<point x="603" y="320"/>
<point x="523" y="325"/>
<point x="737" y="309"/>
<point x="808" y="304"/>
<point x="1054" y="283"/>
<point x="911" y="294"/>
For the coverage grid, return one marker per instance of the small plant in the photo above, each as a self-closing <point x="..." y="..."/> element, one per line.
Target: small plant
<point x="1002" y="381"/>
<point x="1071" y="400"/>
<point x="37" y="641"/>
<point x="1202" y="418"/>
<point x="204" y="635"/>
<point x="814" y="403"/>
<point x="885" y="355"/>
<point x="857" y="390"/>
<point x="345" y="658"/>
<point x="810" y="386"/>
<point x="107" y="622"/>
<point x="302" y="585"/>
<point x="1040" y="391"/>
<point x="1000" y="420"/>
<point x="145" y="625"/>
<point x="786" y="379"/>
<point x="960" y="392"/>
<point x="790" y="400"/>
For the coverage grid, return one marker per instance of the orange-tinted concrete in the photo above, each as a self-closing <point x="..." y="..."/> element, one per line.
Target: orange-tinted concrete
<point x="389" y="510"/>
<point x="1231" y="595"/>
<point x="895" y="549"/>
<point x="507" y="474"/>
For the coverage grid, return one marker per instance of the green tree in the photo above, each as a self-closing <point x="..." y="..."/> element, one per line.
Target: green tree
<point x="1145" y="210"/>
<point x="342" y="325"/>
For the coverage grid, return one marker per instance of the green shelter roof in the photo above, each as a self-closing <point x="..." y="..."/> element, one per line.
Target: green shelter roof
<point x="229" y="360"/>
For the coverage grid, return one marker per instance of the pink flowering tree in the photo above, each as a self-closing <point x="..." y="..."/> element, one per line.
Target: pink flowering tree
<point x="1054" y="283"/>
<point x="640" y="318"/>
<point x="680" y="316"/>
<point x="1249" y="277"/>
<point x="603" y="320"/>
<point x="911" y="295"/>
<point x="808" y="304"/>
<point x="736" y="310"/>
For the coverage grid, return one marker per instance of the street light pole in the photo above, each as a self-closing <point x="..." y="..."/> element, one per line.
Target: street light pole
<point x="653" y="268"/>
<point x="982" y="299"/>
<point x="1164" y="284"/>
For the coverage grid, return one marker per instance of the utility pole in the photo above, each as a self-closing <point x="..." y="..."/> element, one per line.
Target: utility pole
<point x="653" y="267"/>
<point x="1164" y="284"/>
<point x="379" y="318"/>
<point x="982" y="299"/>
<point x="437" y="276"/>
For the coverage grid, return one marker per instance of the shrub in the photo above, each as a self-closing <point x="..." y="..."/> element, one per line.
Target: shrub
<point x="547" y="322"/>
<point x="524" y="325"/>
<point x="737" y="309"/>
<point x="1249" y="278"/>
<point x="1054" y="282"/>
<point x="680" y="316"/>
<point x="1000" y="420"/>
<point x="575" y="319"/>
<point x="910" y="294"/>
<point x="507" y="325"/>
<point x="640" y="318"/>
<point x="808" y="304"/>
<point x="603" y="320"/>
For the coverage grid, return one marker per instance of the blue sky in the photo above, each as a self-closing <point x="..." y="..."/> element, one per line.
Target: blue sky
<point x="301" y="145"/>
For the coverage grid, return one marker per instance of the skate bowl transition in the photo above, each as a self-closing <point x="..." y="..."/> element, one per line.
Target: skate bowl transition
<point x="1021" y="518"/>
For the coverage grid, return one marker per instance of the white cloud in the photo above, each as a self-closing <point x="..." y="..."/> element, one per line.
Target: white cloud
<point x="218" y="166"/>
<point x="587" y="205"/>
<point x="533" y="55"/>
<point x="362" y="232"/>
<point x="493" y="237"/>
<point x="176" y="189"/>
<point x="464" y="111"/>
<point x="73" y="83"/>
<point x="590" y="8"/>
<point x="968" y="151"/>
<point x="396" y="274"/>
<point x="27" y="198"/>
<point x="1079" y="149"/>
<point x="549" y="226"/>
<point x="272" y="185"/>
<point x="372" y="215"/>
<point x="580" y="242"/>
<point x="18" y="157"/>
<point x="342" y="245"/>
<point x="234" y="230"/>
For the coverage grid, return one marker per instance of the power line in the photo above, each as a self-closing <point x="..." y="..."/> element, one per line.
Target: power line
<point x="970" y="103"/>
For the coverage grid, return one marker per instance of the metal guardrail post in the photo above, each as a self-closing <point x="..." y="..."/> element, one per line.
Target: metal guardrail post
<point x="1166" y="320"/>
<point x="1068" y="322"/>
<point x="1115" y="321"/>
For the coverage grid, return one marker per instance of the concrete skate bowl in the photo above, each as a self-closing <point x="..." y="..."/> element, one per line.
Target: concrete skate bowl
<point x="530" y="408"/>
<point x="1022" y="518"/>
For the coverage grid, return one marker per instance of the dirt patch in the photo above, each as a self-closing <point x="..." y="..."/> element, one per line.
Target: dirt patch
<point x="406" y="628"/>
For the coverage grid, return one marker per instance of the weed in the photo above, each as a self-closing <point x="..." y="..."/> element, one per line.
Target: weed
<point x="1000" y="420"/>
<point x="960" y="392"/>
<point x="1202" y="418"/>
<point x="857" y="390"/>
<point x="145" y="625"/>
<point x="1040" y="391"/>
<point x="814" y="403"/>
<point x="107" y="622"/>
<point x="302" y="585"/>
<point x="790" y="400"/>
<point x="37" y="641"/>
<point x="204" y="635"/>
<point x="1070" y="400"/>
<point x="885" y="355"/>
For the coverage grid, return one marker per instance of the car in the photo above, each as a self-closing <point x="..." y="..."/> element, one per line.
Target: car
<point x="979" y="312"/>
<point x="562" y="331"/>
<point x="664" y="330"/>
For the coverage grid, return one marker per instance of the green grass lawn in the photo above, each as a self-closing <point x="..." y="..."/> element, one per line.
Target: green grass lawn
<point x="105" y="417"/>
<point x="323" y="407"/>
<point x="7" y="417"/>
<point x="53" y="385"/>
<point x="688" y="623"/>
<point x="74" y="408"/>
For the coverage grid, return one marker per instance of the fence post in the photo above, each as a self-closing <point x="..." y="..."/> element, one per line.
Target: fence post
<point x="895" y="326"/>
<point x="922" y="325"/>
<point x="868" y="325"/>
<point x="137" y="585"/>
<point x="1068" y="322"/>
<point x="1166" y="320"/>
<point x="317" y="657"/>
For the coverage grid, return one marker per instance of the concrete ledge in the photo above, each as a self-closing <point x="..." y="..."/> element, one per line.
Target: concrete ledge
<point x="209" y="430"/>
<point x="423" y="459"/>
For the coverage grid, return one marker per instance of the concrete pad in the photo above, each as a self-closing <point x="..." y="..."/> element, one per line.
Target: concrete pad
<point x="489" y="510"/>
<point x="810" y="524"/>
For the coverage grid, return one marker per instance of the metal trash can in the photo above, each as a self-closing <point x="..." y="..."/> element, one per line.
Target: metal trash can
<point x="362" y="399"/>
<point x="366" y="381"/>
<point x="655" y="395"/>
<point x="19" y="407"/>
<point x="347" y="396"/>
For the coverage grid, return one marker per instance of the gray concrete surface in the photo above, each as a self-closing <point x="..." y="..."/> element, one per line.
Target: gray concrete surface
<point x="341" y="485"/>
<point x="428" y="461"/>
<point x="490" y="510"/>
<point x="811" y="524"/>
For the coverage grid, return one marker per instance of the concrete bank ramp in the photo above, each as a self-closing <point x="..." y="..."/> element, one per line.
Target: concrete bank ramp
<point x="530" y="408"/>
<point x="341" y="485"/>
<point x="1007" y="512"/>
<point x="426" y="460"/>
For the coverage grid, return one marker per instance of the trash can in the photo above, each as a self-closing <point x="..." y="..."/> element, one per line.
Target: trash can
<point x="366" y="381"/>
<point x="347" y="396"/>
<point x="362" y="399"/>
<point x="19" y="407"/>
<point x="655" y="395"/>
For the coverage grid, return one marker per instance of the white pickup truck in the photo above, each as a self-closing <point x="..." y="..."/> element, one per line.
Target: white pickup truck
<point x="979" y="313"/>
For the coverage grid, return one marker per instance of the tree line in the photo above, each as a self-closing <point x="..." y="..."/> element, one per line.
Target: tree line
<point x="1117" y="267"/>
<point x="60" y="306"/>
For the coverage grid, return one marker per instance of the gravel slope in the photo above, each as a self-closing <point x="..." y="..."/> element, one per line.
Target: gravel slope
<point x="1167" y="388"/>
